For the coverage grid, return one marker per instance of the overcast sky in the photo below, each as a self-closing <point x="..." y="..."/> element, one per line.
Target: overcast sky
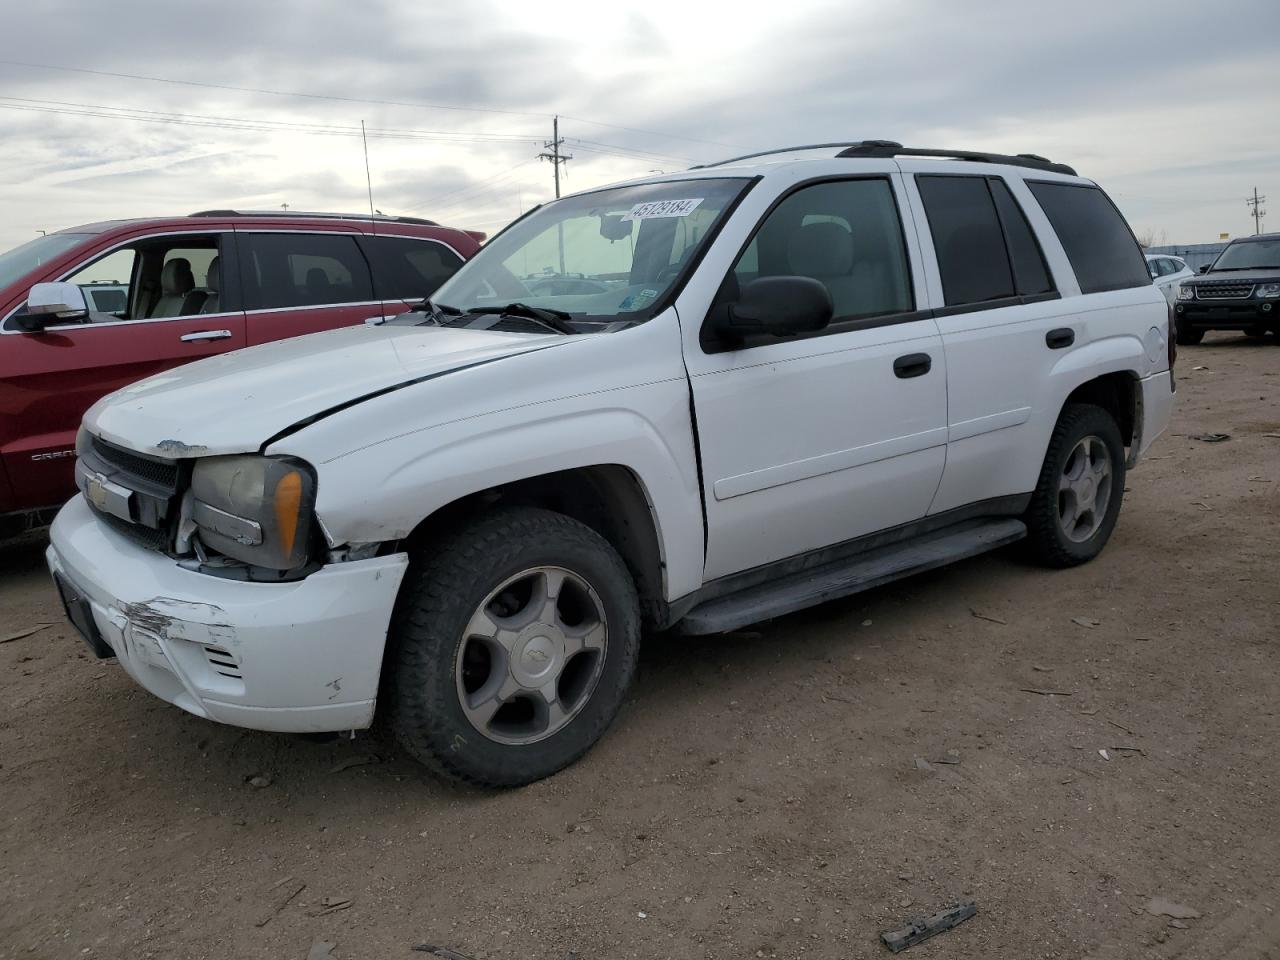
<point x="1171" y="106"/>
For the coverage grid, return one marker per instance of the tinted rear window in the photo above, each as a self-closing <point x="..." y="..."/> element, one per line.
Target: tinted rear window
<point x="1024" y="252"/>
<point x="405" y="269"/>
<point x="299" y="270"/>
<point x="1098" y="242"/>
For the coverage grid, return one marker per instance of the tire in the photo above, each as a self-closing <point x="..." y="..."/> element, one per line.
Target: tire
<point x="508" y="574"/>
<point x="1054" y="538"/>
<point x="1187" y="336"/>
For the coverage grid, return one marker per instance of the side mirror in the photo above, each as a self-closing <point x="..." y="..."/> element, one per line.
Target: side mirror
<point x="1204" y="267"/>
<point x="50" y="303"/>
<point x="779" y="306"/>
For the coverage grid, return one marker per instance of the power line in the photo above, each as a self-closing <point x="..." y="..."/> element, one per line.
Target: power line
<point x="103" y="111"/>
<point x="338" y="99"/>
<point x="648" y="133"/>
<point x="457" y="194"/>
<point x="592" y="146"/>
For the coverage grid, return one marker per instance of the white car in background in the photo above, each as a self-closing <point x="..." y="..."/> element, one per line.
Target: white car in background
<point x="1167" y="273"/>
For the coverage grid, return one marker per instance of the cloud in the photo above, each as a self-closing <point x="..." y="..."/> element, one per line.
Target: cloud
<point x="1169" y="108"/>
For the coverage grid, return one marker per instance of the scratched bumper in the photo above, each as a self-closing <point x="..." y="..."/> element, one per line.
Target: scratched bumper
<point x="291" y="657"/>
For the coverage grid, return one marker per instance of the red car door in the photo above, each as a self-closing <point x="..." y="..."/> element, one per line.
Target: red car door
<point x="49" y="379"/>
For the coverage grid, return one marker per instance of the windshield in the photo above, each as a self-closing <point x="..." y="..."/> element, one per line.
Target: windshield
<point x="1250" y="255"/>
<point x="18" y="262"/>
<point x="604" y="256"/>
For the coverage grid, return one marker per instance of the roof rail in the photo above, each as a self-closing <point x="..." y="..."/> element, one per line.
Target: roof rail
<point x="311" y="214"/>
<point x="891" y="148"/>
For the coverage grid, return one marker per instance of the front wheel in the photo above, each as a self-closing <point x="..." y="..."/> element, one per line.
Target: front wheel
<point x="1077" y="498"/>
<point x="514" y="644"/>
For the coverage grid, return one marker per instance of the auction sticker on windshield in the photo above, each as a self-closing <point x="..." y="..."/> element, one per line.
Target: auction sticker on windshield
<point x="662" y="208"/>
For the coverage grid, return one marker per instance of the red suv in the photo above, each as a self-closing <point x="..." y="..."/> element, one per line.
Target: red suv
<point x="152" y="294"/>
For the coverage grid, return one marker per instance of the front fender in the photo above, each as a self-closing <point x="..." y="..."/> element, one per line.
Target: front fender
<point x="382" y="491"/>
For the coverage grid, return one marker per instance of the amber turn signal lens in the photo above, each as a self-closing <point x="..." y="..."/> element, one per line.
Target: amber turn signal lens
<point x="288" y="504"/>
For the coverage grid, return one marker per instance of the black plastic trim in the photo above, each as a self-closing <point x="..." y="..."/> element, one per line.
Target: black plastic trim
<point x="994" y="304"/>
<point x="888" y="149"/>
<point x="1009" y="506"/>
<point x="878" y="148"/>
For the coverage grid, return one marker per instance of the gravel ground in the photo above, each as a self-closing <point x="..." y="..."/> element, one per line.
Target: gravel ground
<point x="786" y="792"/>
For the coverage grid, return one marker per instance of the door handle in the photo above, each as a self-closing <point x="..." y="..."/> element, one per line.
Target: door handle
<point x="205" y="335"/>
<point x="912" y="365"/>
<point x="1062" y="337"/>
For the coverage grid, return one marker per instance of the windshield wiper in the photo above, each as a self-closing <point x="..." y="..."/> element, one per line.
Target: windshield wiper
<point x="552" y="319"/>
<point x="436" y="311"/>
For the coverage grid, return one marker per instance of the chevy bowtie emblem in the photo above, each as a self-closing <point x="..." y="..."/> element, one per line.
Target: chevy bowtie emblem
<point x="95" y="489"/>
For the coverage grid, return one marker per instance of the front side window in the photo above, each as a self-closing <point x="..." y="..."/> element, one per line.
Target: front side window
<point x="603" y="256"/>
<point x="1098" y="242"/>
<point x="282" y="270"/>
<point x="846" y="234"/>
<point x="1250" y="255"/>
<point x="160" y="278"/>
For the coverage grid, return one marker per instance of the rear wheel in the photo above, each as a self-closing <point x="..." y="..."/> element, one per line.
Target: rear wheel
<point x="1077" y="499"/>
<point x="514" y="644"/>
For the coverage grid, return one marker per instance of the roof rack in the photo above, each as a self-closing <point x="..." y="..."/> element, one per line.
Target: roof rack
<point x="891" y="148"/>
<point x="310" y="214"/>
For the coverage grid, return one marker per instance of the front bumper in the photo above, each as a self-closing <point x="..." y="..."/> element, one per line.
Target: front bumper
<point x="1227" y="314"/>
<point x="301" y="657"/>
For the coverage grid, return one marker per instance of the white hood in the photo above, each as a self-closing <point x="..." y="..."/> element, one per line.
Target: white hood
<point x="234" y="402"/>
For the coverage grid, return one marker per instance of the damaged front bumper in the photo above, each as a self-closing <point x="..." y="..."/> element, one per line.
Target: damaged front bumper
<point x="301" y="657"/>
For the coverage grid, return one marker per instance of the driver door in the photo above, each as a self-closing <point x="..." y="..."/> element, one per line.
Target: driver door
<point x="820" y="438"/>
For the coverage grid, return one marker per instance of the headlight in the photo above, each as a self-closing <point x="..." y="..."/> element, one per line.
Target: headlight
<point x="1186" y="293"/>
<point x="1268" y="290"/>
<point x="254" y="509"/>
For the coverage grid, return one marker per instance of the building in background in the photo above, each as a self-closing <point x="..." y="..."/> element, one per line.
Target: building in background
<point x="1196" y="255"/>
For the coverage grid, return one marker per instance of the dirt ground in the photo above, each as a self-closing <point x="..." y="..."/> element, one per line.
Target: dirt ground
<point x="760" y="794"/>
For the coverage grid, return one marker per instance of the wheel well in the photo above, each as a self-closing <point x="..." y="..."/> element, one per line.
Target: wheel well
<point x="608" y="498"/>
<point x="1117" y="394"/>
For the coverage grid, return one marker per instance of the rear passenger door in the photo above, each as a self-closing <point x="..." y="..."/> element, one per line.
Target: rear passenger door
<point x="298" y="283"/>
<point x="998" y="309"/>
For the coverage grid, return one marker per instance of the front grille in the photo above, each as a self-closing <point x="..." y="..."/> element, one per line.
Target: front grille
<point x="148" y="537"/>
<point x="1224" y="291"/>
<point x="154" y="470"/>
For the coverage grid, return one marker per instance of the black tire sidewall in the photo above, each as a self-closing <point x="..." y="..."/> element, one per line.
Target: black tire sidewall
<point x="428" y="716"/>
<point x="1047" y="536"/>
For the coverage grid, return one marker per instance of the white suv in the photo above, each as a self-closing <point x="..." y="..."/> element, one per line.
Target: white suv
<point x="689" y="402"/>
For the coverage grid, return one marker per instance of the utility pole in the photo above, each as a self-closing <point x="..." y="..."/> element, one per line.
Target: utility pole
<point x="1255" y="201"/>
<point x="555" y="156"/>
